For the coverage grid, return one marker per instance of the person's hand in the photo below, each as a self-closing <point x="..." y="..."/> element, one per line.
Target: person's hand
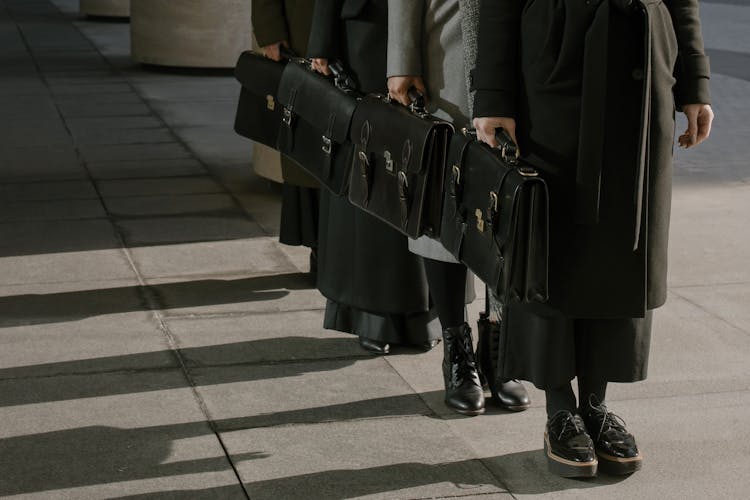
<point x="486" y="129"/>
<point x="321" y="65"/>
<point x="399" y="86"/>
<point x="699" y="117"/>
<point x="273" y="51"/>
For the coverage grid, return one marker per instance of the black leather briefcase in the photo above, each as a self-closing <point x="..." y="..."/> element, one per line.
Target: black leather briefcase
<point x="317" y="113"/>
<point x="496" y="218"/>
<point x="397" y="174"/>
<point x="258" y="112"/>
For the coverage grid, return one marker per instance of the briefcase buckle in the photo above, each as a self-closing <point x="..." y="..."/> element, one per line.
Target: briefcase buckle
<point x="287" y="119"/>
<point x="388" y="161"/>
<point x="270" y="102"/>
<point x="480" y="219"/>
<point x="327" y="145"/>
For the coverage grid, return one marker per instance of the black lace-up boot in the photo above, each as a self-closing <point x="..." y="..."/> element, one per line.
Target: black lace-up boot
<point x="463" y="390"/>
<point x="570" y="451"/>
<point x="615" y="446"/>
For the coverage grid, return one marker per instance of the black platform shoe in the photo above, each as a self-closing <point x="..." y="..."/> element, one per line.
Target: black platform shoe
<point x="374" y="346"/>
<point x="570" y="451"/>
<point x="614" y="445"/>
<point x="508" y="394"/>
<point x="463" y="390"/>
<point x="429" y="345"/>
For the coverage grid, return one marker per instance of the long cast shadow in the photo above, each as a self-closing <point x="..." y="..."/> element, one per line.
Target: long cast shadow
<point x="104" y="455"/>
<point x="156" y="371"/>
<point x="33" y="309"/>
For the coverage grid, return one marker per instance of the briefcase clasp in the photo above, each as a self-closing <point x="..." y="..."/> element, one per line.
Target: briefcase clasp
<point x="270" y="102"/>
<point x="480" y="219"/>
<point x="287" y="119"/>
<point x="327" y="145"/>
<point x="388" y="161"/>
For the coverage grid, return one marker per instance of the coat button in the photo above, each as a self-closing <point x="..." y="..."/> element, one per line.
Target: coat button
<point x="638" y="74"/>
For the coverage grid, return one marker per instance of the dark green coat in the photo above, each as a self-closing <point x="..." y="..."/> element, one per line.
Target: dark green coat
<point x="275" y="21"/>
<point x="592" y="86"/>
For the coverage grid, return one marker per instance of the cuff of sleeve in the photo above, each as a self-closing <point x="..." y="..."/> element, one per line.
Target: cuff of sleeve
<point x="271" y="33"/>
<point x="694" y="91"/>
<point x="405" y="62"/>
<point x="494" y="103"/>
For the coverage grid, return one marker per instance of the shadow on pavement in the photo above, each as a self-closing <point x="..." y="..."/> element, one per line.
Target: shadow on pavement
<point x="34" y="309"/>
<point x="157" y="371"/>
<point x="102" y="455"/>
<point x="222" y="492"/>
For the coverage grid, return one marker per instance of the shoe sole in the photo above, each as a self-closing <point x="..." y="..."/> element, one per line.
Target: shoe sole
<point x="515" y="408"/>
<point x="468" y="413"/>
<point x="619" y="466"/>
<point x="568" y="468"/>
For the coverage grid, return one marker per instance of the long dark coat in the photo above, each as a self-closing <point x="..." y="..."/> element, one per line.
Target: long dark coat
<point x="363" y="263"/>
<point x="592" y="86"/>
<point x="275" y="21"/>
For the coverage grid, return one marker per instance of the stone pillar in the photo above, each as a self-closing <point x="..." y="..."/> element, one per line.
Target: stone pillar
<point x="190" y="33"/>
<point x="105" y="8"/>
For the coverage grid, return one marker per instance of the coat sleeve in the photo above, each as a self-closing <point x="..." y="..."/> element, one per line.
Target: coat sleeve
<point x="269" y="22"/>
<point x="405" y="46"/>
<point x="325" y="39"/>
<point x="495" y="77"/>
<point x="692" y="69"/>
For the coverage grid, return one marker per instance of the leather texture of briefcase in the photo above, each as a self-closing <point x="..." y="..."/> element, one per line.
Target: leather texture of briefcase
<point x="397" y="174"/>
<point x="496" y="218"/>
<point x="258" y="112"/>
<point x="314" y="132"/>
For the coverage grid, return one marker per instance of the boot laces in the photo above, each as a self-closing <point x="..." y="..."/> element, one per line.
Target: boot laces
<point x="463" y="357"/>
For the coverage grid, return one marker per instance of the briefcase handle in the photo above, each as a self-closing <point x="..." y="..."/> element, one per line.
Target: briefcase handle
<point x="341" y="78"/>
<point x="507" y="147"/>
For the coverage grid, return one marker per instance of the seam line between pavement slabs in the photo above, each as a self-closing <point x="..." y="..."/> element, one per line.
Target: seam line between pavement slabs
<point x="147" y="294"/>
<point x="500" y="480"/>
<point x="727" y="322"/>
<point x="470" y="495"/>
<point x="209" y="171"/>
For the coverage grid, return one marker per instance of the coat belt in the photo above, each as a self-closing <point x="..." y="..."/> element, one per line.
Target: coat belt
<point x="593" y="119"/>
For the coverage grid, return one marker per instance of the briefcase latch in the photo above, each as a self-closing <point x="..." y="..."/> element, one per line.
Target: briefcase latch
<point x="480" y="219"/>
<point x="327" y="145"/>
<point x="270" y="102"/>
<point x="388" y="161"/>
<point x="287" y="119"/>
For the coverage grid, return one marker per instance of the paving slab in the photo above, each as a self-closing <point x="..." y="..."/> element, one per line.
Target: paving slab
<point x="190" y="89"/>
<point x="196" y="114"/>
<point x="257" y="256"/>
<point x="38" y="131"/>
<point x="48" y="191"/>
<point x="123" y="136"/>
<point x="727" y="302"/>
<point x="99" y="436"/>
<point x="260" y="338"/>
<point x="189" y="204"/>
<point x="121" y="152"/>
<point x="40" y="163"/>
<point x="241" y="295"/>
<point x="83" y="125"/>
<point x="417" y="457"/>
<point x="20" y="211"/>
<point x="701" y="251"/>
<point x="25" y="107"/>
<point x="186" y="229"/>
<point x="129" y="169"/>
<point x="49" y="252"/>
<point x="167" y="186"/>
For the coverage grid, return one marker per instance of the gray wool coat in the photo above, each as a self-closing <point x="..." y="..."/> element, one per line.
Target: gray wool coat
<point x="435" y="39"/>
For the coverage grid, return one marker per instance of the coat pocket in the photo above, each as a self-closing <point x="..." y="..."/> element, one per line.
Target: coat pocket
<point x="352" y="9"/>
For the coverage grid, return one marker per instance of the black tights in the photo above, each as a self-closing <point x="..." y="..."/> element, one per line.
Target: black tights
<point x="447" y="282"/>
<point x="563" y="397"/>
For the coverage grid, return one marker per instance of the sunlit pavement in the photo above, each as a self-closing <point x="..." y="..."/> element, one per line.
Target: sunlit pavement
<point x="157" y="342"/>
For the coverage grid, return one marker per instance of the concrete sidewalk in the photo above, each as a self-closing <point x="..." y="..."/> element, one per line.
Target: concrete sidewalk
<point x="156" y="342"/>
